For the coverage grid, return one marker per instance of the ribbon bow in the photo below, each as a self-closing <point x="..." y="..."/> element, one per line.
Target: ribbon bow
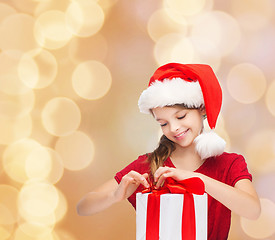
<point x="187" y="187"/>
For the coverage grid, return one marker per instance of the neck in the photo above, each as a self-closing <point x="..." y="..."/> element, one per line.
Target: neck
<point x="186" y="158"/>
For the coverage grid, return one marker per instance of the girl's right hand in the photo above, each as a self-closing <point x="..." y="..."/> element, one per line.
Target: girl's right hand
<point x="129" y="183"/>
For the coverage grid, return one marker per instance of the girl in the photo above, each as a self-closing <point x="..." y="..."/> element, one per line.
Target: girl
<point x="179" y="97"/>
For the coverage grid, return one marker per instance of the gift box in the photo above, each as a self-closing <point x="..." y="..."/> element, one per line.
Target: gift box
<point x="177" y="211"/>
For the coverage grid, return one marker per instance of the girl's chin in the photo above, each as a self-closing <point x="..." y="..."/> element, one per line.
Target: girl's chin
<point x="185" y="145"/>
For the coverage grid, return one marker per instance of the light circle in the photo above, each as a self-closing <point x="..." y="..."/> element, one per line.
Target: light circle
<point x="51" y="30"/>
<point x="91" y="80"/>
<point x="76" y="150"/>
<point x="61" y="116"/>
<point x="38" y="199"/>
<point x="14" y="158"/>
<point x="37" y="68"/>
<point x="246" y="83"/>
<point x="84" y="18"/>
<point x="270" y="98"/>
<point x="263" y="227"/>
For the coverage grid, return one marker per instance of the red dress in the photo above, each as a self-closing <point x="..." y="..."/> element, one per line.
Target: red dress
<point x="228" y="168"/>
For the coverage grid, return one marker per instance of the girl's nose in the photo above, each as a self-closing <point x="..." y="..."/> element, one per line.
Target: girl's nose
<point x="174" y="127"/>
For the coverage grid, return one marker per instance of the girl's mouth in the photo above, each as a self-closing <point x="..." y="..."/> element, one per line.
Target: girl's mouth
<point x="182" y="134"/>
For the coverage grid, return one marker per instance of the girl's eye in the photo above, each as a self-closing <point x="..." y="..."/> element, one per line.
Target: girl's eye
<point x="162" y="125"/>
<point x="182" y="116"/>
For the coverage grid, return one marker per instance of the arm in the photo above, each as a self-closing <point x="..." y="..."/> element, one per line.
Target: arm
<point x="110" y="193"/>
<point x="241" y="199"/>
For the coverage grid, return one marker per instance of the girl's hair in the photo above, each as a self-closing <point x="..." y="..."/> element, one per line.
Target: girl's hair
<point x="166" y="147"/>
<point x="160" y="154"/>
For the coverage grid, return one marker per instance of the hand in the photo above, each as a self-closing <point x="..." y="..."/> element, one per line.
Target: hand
<point x="129" y="183"/>
<point x="165" y="172"/>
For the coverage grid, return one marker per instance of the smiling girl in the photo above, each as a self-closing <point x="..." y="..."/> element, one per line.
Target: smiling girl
<point x="180" y="97"/>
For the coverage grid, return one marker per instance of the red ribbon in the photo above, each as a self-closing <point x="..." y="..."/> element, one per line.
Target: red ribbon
<point x="187" y="187"/>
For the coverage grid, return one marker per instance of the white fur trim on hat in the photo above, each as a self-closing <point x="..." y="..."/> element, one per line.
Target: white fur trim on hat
<point x="169" y="92"/>
<point x="209" y="144"/>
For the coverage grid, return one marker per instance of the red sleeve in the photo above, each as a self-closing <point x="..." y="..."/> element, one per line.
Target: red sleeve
<point x="238" y="170"/>
<point x="228" y="168"/>
<point x="141" y="166"/>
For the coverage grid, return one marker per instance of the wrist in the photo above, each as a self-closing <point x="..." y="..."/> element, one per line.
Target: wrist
<point x="199" y="175"/>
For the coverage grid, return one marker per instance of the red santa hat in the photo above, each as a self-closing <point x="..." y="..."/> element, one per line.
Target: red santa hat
<point x="193" y="85"/>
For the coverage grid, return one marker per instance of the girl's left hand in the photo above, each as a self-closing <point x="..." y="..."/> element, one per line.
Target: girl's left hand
<point x="165" y="172"/>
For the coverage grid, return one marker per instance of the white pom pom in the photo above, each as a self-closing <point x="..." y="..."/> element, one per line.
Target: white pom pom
<point x="209" y="144"/>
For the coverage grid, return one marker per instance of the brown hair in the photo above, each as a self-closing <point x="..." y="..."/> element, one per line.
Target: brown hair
<point x="160" y="154"/>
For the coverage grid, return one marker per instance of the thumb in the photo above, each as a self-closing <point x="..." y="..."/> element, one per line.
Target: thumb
<point x="145" y="175"/>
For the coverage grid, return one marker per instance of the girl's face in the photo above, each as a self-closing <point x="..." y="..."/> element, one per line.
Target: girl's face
<point x="179" y="124"/>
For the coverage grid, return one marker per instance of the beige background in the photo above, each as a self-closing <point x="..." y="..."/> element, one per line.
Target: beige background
<point x="71" y="73"/>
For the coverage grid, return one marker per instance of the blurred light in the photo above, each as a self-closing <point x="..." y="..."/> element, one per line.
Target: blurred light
<point x="246" y="83"/>
<point x="184" y="7"/>
<point x="15" y="156"/>
<point x="20" y="235"/>
<point x="263" y="227"/>
<point x="38" y="164"/>
<point x="270" y="98"/>
<point x="206" y="52"/>
<point x="21" y="40"/>
<point x="85" y="49"/>
<point x="13" y="129"/>
<point x="107" y="4"/>
<point x="183" y="51"/>
<point x="61" y="208"/>
<point x="51" y="30"/>
<point x="264" y="187"/>
<point x="38" y="199"/>
<point x="6" y="231"/>
<point x="16" y="106"/>
<point x="37" y="68"/>
<point x="24" y="6"/>
<point x="57" y="168"/>
<point x="173" y="47"/>
<point x="84" y="18"/>
<point x="35" y="230"/>
<point x="61" y="116"/>
<point x="218" y="28"/>
<point x="48" y="220"/>
<point x="76" y="150"/>
<point x="252" y="11"/>
<point x="260" y="152"/>
<point x="161" y="24"/>
<point x="8" y="205"/>
<point x="91" y="80"/>
<point x="237" y="116"/>
<point x="5" y="11"/>
<point x="9" y="80"/>
<point x="5" y="217"/>
<point x="63" y="234"/>
<point x="41" y="1"/>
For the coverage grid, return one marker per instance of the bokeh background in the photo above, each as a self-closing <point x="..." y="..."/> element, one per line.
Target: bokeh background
<point x="71" y="72"/>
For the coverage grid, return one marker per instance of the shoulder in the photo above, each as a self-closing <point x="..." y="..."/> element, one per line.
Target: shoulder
<point x="226" y="160"/>
<point x="229" y="157"/>
<point x="140" y="165"/>
<point x="228" y="168"/>
<point x="141" y="161"/>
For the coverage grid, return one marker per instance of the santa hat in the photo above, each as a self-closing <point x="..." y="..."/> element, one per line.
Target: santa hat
<point x="193" y="85"/>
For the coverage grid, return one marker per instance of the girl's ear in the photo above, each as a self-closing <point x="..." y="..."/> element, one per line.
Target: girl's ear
<point x="202" y="109"/>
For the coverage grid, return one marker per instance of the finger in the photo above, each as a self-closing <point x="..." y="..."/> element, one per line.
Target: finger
<point x="140" y="179"/>
<point x="160" y="171"/>
<point x="126" y="180"/>
<point x="161" y="180"/>
<point x="146" y="175"/>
